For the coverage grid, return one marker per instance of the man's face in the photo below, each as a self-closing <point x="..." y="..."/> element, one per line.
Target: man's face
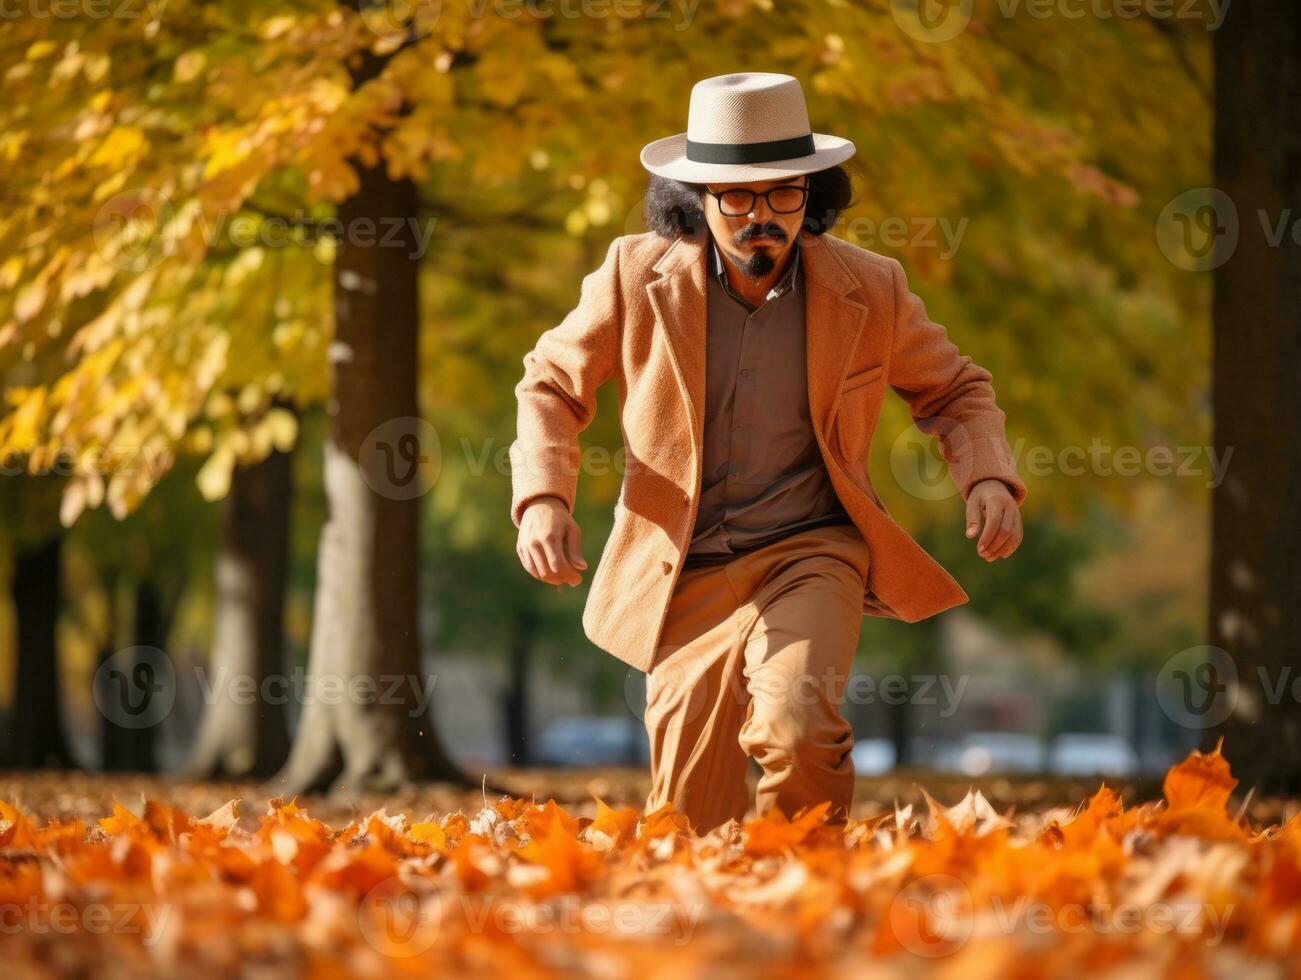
<point x="758" y="240"/>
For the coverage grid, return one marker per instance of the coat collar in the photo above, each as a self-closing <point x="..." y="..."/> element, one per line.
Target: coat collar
<point x="833" y="321"/>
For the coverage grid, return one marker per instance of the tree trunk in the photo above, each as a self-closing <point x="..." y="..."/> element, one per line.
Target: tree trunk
<point x="900" y="720"/>
<point x="244" y="730"/>
<point x="378" y="735"/>
<point x="37" y="739"/>
<point x="1255" y="598"/>
<point x="515" y="701"/>
<point x="132" y="747"/>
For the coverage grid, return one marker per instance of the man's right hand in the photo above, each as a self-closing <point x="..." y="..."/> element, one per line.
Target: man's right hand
<point x="549" y="543"/>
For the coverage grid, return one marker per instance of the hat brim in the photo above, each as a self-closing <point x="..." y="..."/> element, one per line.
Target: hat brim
<point x="667" y="157"/>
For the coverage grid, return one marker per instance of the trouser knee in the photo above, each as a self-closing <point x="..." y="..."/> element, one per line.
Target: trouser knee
<point x="798" y="736"/>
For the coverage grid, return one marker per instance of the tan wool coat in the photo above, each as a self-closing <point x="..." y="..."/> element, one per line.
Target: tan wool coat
<point x="640" y="320"/>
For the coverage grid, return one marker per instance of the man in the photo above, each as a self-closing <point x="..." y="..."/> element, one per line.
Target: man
<point x="752" y="351"/>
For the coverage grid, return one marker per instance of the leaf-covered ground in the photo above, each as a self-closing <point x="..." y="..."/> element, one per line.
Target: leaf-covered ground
<point x="1186" y="885"/>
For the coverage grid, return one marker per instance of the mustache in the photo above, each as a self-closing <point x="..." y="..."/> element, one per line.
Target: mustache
<point x="759" y="231"/>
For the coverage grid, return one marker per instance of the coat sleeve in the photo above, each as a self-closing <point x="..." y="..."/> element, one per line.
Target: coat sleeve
<point x="949" y="396"/>
<point x="556" y="397"/>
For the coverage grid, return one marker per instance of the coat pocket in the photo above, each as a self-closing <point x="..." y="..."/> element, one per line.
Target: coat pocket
<point x="860" y="378"/>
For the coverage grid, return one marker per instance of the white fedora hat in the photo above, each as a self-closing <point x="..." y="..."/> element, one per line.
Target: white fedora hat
<point x="745" y="126"/>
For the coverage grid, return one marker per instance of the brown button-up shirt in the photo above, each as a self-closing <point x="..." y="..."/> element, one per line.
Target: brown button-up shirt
<point x="764" y="477"/>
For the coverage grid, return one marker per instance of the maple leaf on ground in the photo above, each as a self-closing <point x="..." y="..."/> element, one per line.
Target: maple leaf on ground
<point x="16" y="831"/>
<point x="167" y="822"/>
<point x="665" y="821"/>
<point x="972" y="816"/>
<point x="1201" y="780"/>
<point x="553" y="844"/>
<point x="545" y="818"/>
<point x="774" y="833"/>
<point x="1197" y="795"/>
<point x="611" y="827"/>
<point x="430" y="834"/>
<point x="356" y="870"/>
<point x="224" y="819"/>
<point x="1102" y="806"/>
<point x="293" y="836"/>
<point x="122" y="822"/>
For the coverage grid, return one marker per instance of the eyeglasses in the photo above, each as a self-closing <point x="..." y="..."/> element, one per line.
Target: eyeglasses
<point x="735" y="202"/>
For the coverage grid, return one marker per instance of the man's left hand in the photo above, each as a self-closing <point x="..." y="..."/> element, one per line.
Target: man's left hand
<point x="992" y="513"/>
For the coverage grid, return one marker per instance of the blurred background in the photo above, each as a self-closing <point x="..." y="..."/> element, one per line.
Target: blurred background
<point x="268" y="272"/>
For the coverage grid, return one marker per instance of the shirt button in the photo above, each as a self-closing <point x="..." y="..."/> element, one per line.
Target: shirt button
<point x="745" y="372"/>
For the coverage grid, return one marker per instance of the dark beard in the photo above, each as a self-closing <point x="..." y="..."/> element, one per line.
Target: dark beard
<point x="759" y="264"/>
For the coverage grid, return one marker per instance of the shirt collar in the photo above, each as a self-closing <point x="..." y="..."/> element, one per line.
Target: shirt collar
<point x="780" y="288"/>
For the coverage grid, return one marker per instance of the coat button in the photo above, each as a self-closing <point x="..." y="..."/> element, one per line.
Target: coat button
<point x="668" y="567"/>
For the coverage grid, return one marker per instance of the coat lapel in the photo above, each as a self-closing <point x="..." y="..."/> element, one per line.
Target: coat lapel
<point x="678" y="299"/>
<point x="833" y="322"/>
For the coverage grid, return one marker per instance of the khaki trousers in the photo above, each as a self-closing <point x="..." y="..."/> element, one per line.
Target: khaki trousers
<point x="753" y="661"/>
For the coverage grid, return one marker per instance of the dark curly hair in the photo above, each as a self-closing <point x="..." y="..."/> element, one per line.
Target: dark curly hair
<point x="673" y="206"/>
